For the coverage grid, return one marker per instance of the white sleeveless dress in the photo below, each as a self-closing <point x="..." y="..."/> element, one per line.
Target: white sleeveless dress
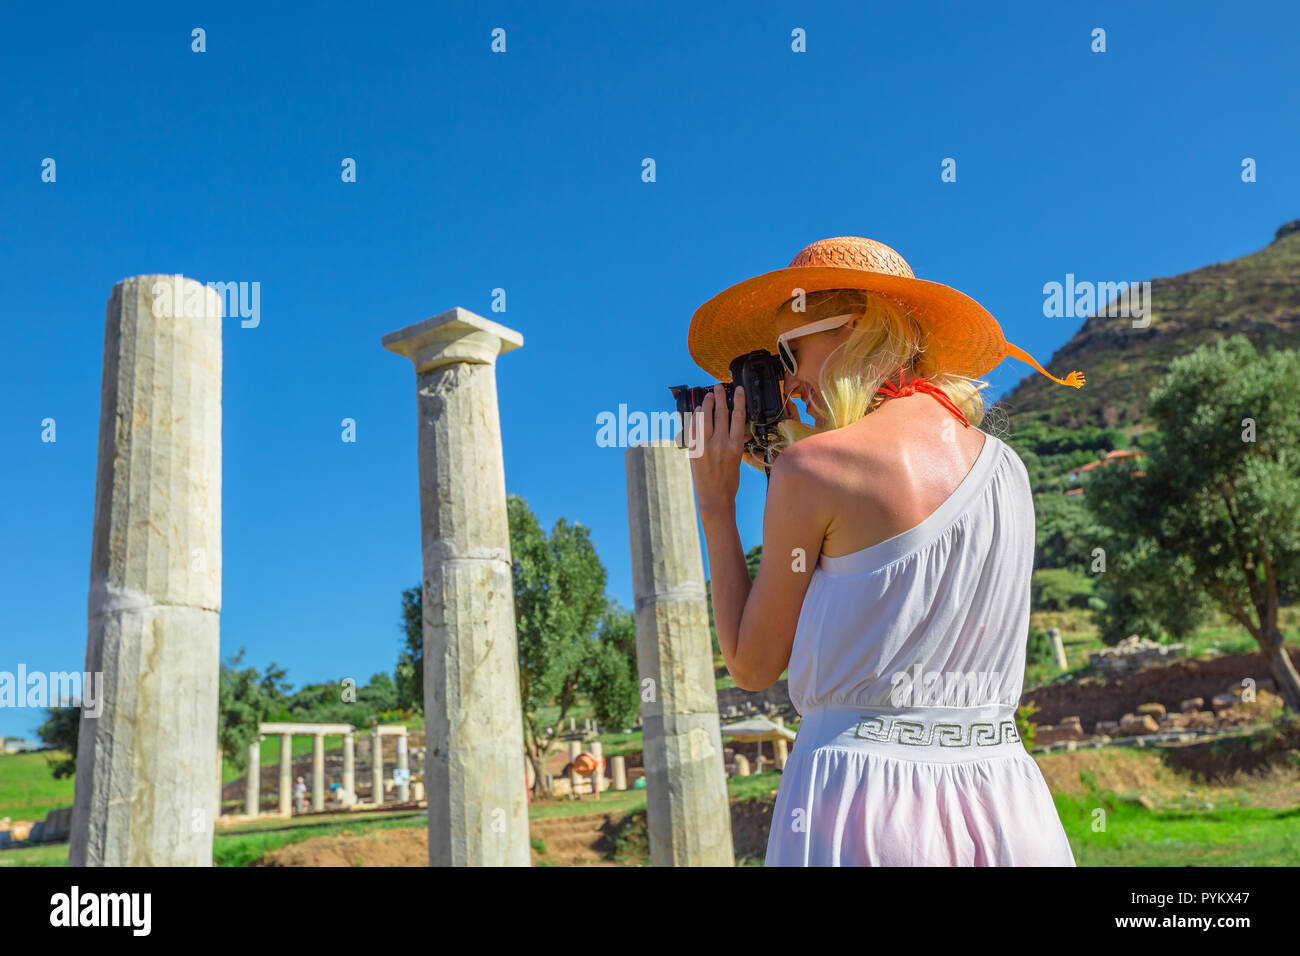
<point x="940" y="778"/>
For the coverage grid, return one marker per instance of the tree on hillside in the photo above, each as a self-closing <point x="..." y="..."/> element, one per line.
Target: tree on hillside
<point x="409" y="674"/>
<point x="60" y="730"/>
<point x="608" y="677"/>
<point x="1213" y="520"/>
<point x="572" y="640"/>
<point x="559" y="597"/>
<point x="334" y="702"/>
<point x="246" y="699"/>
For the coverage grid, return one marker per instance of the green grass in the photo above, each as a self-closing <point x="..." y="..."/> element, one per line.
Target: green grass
<point x="243" y="847"/>
<point x="1223" y="835"/>
<point x="1136" y="836"/>
<point x="28" y="791"/>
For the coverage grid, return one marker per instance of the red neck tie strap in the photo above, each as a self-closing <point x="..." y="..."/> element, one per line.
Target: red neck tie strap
<point x="920" y="384"/>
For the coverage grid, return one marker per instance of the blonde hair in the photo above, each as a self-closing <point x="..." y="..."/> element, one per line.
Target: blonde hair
<point x="886" y="338"/>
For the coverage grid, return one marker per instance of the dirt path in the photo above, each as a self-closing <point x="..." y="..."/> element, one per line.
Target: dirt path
<point x="583" y="840"/>
<point x="569" y="841"/>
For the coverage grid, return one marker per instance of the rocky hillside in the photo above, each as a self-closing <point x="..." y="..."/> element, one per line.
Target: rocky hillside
<point x="1257" y="295"/>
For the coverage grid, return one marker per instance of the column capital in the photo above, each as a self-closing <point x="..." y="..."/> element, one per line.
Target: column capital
<point x="457" y="335"/>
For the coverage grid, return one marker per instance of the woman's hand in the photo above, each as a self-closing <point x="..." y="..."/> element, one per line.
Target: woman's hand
<point x="717" y="446"/>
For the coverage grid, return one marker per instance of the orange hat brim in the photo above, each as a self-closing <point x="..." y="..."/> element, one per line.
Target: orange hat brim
<point x="961" y="336"/>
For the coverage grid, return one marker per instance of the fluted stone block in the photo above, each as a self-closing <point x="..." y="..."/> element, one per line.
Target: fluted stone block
<point x="253" y="780"/>
<point x="377" y="766"/>
<point x="286" y="775"/>
<point x="349" y="765"/>
<point x="473" y="718"/>
<point x="403" y="789"/>
<point x="146" y="764"/>
<point x="318" y="772"/>
<point x="687" y="810"/>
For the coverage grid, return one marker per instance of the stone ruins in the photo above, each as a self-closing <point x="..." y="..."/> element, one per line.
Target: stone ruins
<point x="146" y="764"/>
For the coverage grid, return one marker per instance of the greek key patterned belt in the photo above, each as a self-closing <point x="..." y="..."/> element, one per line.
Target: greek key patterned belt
<point x="934" y="734"/>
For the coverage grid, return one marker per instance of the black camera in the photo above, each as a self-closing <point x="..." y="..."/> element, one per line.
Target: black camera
<point x="763" y="377"/>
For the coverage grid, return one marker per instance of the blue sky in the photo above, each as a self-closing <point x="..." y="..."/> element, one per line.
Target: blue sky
<point x="522" y="171"/>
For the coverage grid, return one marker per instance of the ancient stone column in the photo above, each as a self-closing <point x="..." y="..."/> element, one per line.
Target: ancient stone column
<point x="349" y="765"/>
<point x="286" y="775"/>
<point x="618" y="772"/>
<point x="403" y="789"/>
<point x="575" y="749"/>
<point x="781" y="747"/>
<point x="146" y="763"/>
<point x="598" y="752"/>
<point x="742" y="766"/>
<point x="687" y="810"/>
<point x="377" y="766"/>
<point x="318" y="772"/>
<point x="1058" y="648"/>
<point x="253" y="779"/>
<point x="478" y="815"/>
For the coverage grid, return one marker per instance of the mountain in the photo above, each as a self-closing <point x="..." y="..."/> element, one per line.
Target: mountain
<point x="1257" y="295"/>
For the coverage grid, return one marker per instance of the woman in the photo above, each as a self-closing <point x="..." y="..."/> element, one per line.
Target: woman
<point x="898" y="544"/>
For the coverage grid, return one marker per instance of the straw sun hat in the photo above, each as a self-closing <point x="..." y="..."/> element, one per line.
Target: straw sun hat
<point x="960" y="335"/>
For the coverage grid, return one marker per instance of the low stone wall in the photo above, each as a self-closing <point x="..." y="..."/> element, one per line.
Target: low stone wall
<point x="1095" y="700"/>
<point x="775" y="698"/>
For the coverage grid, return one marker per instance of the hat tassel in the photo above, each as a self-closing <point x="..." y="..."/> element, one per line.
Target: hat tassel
<point x="1075" y="379"/>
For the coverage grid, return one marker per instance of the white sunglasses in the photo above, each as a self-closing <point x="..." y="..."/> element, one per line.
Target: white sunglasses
<point x="782" y="341"/>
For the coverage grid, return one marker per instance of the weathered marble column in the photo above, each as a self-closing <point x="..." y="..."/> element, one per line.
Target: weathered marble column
<point x="618" y="772"/>
<point x="781" y="747"/>
<point x="1058" y="648"/>
<point x="687" y="811"/>
<point x="253" y="779"/>
<point x="146" y="763"/>
<point x="286" y="775"/>
<point x="349" y="765"/>
<point x="575" y="750"/>
<point x="403" y="789"/>
<point x="377" y="766"/>
<point x="478" y="814"/>
<point x="318" y="772"/>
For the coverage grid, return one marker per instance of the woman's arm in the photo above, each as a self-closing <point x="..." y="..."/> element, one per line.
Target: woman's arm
<point x="763" y="618"/>
<point x="756" y="620"/>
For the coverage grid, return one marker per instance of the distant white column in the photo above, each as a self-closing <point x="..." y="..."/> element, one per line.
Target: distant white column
<point x="253" y="778"/>
<point x="349" y="765"/>
<point x="403" y="789"/>
<point x="377" y="765"/>
<point x="575" y="749"/>
<point x="318" y="772"/>
<point x="286" y="775"/>
<point x="618" y="772"/>
<point x="1058" y="647"/>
